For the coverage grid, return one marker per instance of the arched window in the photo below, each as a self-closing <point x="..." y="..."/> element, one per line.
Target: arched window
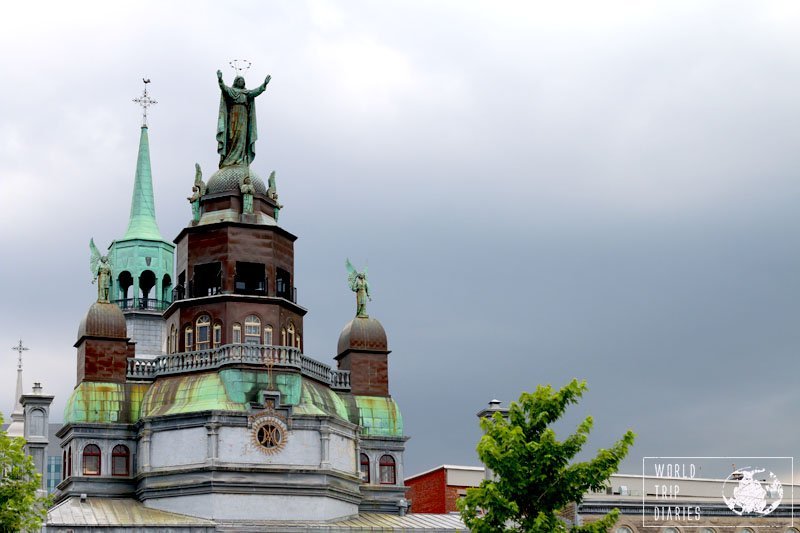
<point x="91" y="460"/>
<point x="217" y="334"/>
<point x="69" y="461"/>
<point x="237" y="333"/>
<point x="387" y="470"/>
<point x="623" y="529"/>
<point x="203" y="326"/>
<point x="268" y="335"/>
<point x="188" y="339"/>
<point x="172" y="342"/>
<point x="120" y="461"/>
<point x="252" y="330"/>
<point x="290" y="335"/>
<point x="64" y="467"/>
<point x="37" y="423"/>
<point x="125" y="281"/>
<point x="364" y="468"/>
<point x="147" y="280"/>
<point x="166" y="289"/>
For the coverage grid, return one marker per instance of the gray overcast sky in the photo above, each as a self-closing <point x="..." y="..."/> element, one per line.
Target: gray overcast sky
<point x="542" y="190"/>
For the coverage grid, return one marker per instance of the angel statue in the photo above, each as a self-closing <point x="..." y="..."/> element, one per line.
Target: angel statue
<point x="247" y="195"/>
<point x="358" y="283"/>
<point x="198" y="190"/>
<point x="198" y="179"/>
<point x="272" y="190"/>
<point x="272" y="193"/>
<point x="99" y="267"/>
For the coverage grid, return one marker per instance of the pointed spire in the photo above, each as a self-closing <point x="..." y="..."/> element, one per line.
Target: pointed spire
<point x="17" y="428"/>
<point x="142" y="223"/>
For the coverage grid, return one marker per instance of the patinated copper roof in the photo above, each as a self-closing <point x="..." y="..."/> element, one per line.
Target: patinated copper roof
<point x="363" y="333"/>
<point x="229" y="178"/>
<point x="103" y="320"/>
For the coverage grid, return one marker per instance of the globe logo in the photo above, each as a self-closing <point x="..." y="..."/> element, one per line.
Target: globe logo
<point x="743" y="494"/>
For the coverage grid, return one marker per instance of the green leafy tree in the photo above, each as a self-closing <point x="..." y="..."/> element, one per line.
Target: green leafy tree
<point x="20" y="508"/>
<point x="535" y="478"/>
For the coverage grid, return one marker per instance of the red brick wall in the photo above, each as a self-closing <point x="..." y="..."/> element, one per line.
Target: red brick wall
<point x="103" y="360"/>
<point x="451" y="495"/>
<point x="427" y="492"/>
<point x="369" y="373"/>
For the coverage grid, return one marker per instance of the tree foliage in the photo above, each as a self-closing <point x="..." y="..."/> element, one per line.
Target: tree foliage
<point x="535" y="477"/>
<point x="20" y="507"/>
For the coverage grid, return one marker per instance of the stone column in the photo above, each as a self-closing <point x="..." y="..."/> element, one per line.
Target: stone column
<point x="212" y="430"/>
<point x="144" y="448"/>
<point x="325" y="446"/>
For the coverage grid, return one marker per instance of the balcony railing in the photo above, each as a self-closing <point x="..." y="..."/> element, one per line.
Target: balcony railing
<point x="182" y="293"/>
<point x="250" y="354"/>
<point x="142" y="304"/>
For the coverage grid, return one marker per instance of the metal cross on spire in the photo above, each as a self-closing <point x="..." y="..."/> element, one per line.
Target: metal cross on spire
<point x="145" y="101"/>
<point x="19" y="348"/>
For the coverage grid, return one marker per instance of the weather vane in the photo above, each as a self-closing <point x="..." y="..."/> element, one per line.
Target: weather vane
<point x="145" y="101"/>
<point x="19" y="348"/>
<point x="241" y="66"/>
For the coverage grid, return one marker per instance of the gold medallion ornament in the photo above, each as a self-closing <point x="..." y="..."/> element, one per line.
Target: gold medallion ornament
<point x="269" y="432"/>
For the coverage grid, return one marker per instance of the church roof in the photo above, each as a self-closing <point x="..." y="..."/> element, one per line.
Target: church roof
<point x="96" y="402"/>
<point x="142" y="221"/>
<point x="130" y="513"/>
<point x="118" y="512"/>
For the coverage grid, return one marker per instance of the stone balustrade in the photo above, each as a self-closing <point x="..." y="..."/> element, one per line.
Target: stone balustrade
<point x="250" y="354"/>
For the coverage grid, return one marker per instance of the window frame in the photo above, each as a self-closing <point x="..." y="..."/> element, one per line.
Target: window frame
<point x="88" y="452"/>
<point x="202" y="325"/>
<point x="254" y="323"/>
<point x="237" y="333"/>
<point x="216" y="335"/>
<point x="188" y="338"/>
<point x="365" y="475"/>
<point x="387" y="461"/>
<point x="116" y="454"/>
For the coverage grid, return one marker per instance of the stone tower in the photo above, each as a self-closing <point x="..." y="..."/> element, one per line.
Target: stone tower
<point x="142" y="263"/>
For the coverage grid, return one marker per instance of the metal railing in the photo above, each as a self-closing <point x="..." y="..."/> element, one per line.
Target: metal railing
<point x="182" y="293"/>
<point x="251" y="354"/>
<point x="143" y="304"/>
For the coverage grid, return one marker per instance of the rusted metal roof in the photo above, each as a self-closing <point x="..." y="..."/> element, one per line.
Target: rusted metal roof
<point x="103" y="319"/>
<point x="363" y="522"/>
<point x="129" y="513"/>
<point x="363" y="333"/>
<point x="117" y="512"/>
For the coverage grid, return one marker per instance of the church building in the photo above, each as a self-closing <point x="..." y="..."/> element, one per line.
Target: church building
<point x="195" y="405"/>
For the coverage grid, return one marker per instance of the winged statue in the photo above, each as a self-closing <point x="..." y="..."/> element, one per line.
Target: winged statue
<point x="101" y="272"/>
<point x="198" y="180"/>
<point x="358" y="283"/>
